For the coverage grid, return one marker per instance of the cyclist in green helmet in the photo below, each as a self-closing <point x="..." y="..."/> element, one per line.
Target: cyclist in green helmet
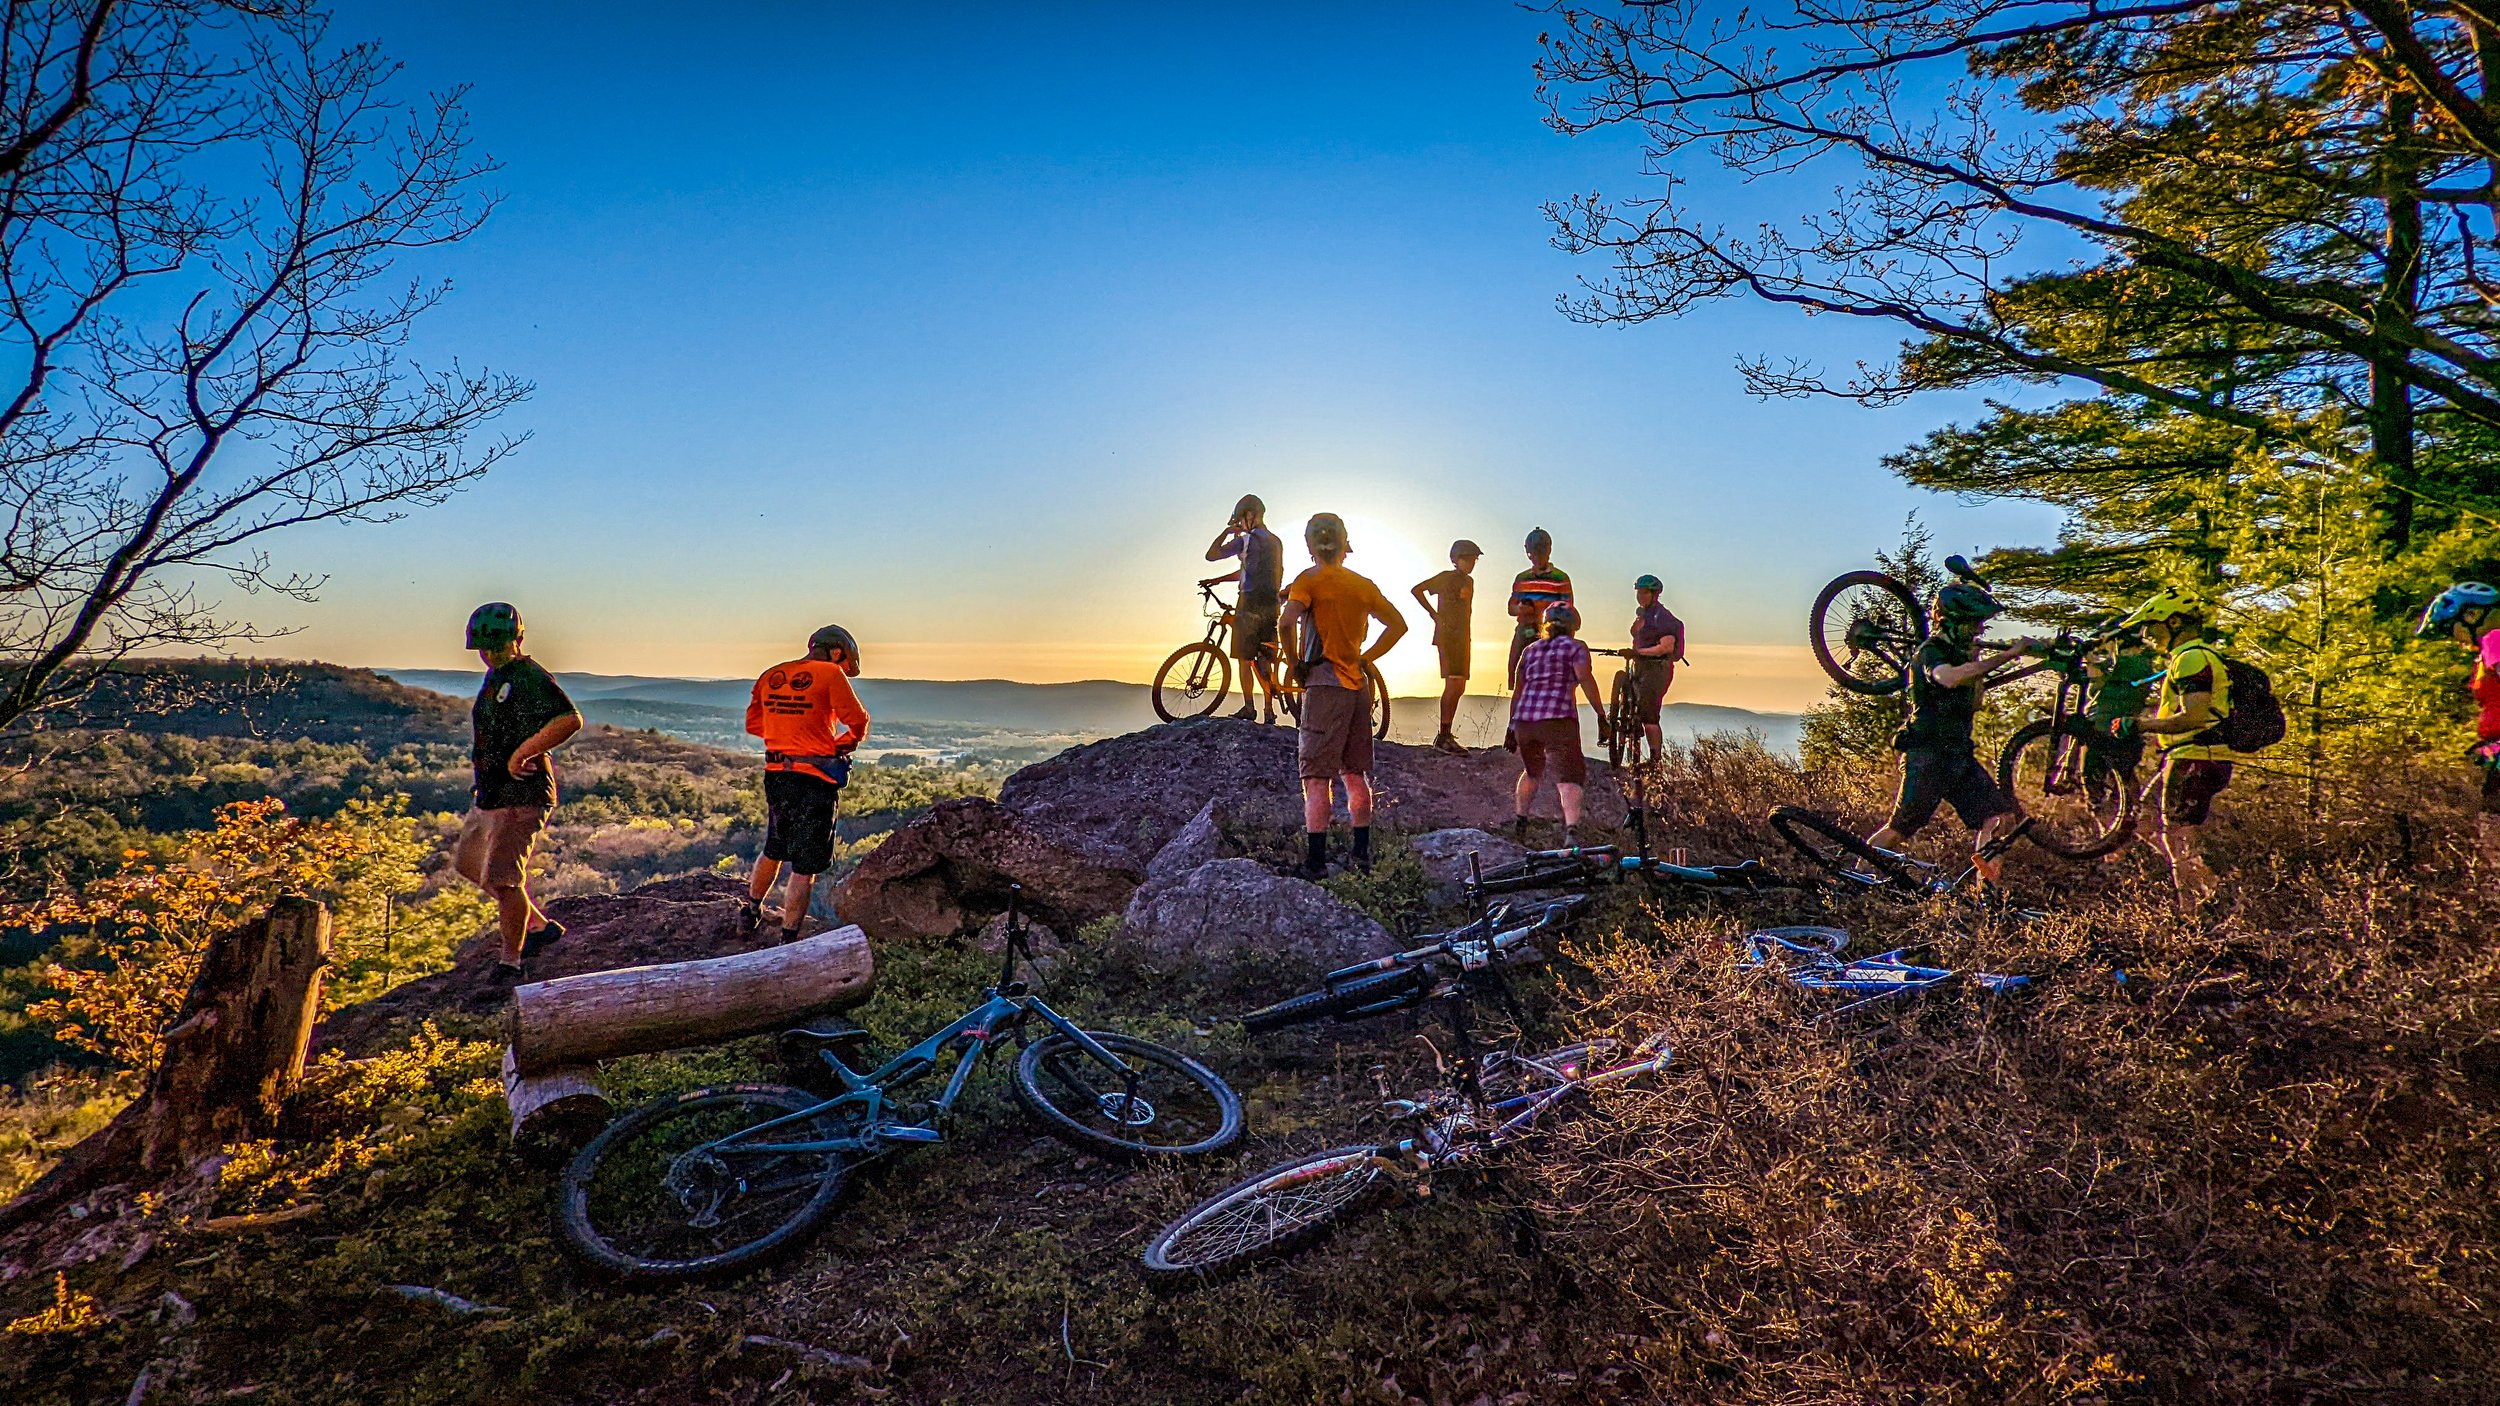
<point x="1657" y="647"/>
<point x="1939" y="756"/>
<point x="520" y="716"/>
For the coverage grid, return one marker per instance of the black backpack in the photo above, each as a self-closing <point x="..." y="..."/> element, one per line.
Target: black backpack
<point x="2255" y="721"/>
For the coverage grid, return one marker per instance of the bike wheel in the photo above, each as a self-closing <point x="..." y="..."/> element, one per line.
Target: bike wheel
<point x="1864" y="628"/>
<point x="1378" y="690"/>
<point x="1192" y="683"/>
<point x="1834" y="850"/>
<point x="1402" y="984"/>
<point x="1274" y="1213"/>
<point x="1179" y="1108"/>
<point x="1623" y="713"/>
<point x="2076" y="811"/>
<point x="646" y="1200"/>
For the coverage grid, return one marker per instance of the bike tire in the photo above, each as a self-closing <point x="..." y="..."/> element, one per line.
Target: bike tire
<point x="575" y="1218"/>
<point x="1890" y="612"/>
<point x="1623" y="711"/>
<point x="1055" y="1056"/>
<point x="1188" y="696"/>
<point x="1288" y="1207"/>
<point x="1830" y="847"/>
<point x="1535" y="873"/>
<point x="1397" y="983"/>
<point x="1377" y="689"/>
<point x="2077" y="825"/>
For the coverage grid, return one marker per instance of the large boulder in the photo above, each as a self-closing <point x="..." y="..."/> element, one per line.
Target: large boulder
<point x="1134" y="793"/>
<point x="1199" y="842"/>
<point x="1234" y="919"/>
<point x="1445" y="853"/>
<point x="953" y="866"/>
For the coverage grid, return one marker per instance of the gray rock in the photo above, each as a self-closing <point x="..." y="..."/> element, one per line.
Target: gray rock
<point x="1444" y="853"/>
<point x="1234" y="918"/>
<point x="953" y="867"/>
<point x="1199" y="842"/>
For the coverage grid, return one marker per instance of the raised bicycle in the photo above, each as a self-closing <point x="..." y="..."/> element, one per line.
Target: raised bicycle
<point x="1809" y="958"/>
<point x="1492" y="1101"/>
<point x="1864" y="868"/>
<point x="1197" y="678"/>
<point x="1438" y="968"/>
<point x="719" y="1179"/>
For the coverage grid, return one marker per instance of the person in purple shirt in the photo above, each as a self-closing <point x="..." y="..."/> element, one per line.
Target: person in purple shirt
<point x="1657" y="645"/>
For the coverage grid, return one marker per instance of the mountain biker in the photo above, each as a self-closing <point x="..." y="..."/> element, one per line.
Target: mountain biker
<point x="2195" y="694"/>
<point x="796" y="707"/>
<point x="521" y="714"/>
<point x="2123" y="673"/>
<point x="2469" y="612"/>
<point x="1545" y="720"/>
<point x="1453" y="631"/>
<point x="1939" y="757"/>
<point x="1328" y="612"/>
<point x="1657" y="643"/>
<point x="1531" y="591"/>
<point x="1262" y="576"/>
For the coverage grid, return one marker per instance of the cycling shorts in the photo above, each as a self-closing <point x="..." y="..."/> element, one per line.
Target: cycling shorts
<point x="1930" y="779"/>
<point x="799" y="811"/>
<point x="2188" y="788"/>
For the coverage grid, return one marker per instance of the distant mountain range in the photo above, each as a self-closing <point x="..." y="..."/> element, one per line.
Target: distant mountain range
<point x="996" y="720"/>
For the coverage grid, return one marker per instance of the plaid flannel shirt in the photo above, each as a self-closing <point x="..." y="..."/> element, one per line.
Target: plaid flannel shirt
<point x="1548" y="670"/>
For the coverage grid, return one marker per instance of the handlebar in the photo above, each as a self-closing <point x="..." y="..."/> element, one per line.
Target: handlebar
<point x="1549" y="915"/>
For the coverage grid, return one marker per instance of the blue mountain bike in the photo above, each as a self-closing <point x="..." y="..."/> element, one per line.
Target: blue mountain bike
<point x="1809" y="957"/>
<point x="717" y="1180"/>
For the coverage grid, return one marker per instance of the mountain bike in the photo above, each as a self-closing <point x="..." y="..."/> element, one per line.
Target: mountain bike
<point x="1830" y="846"/>
<point x="1866" y="627"/>
<point x="1197" y="678"/>
<point x="1809" y="958"/>
<point x="1623" y="711"/>
<point x="1438" y="968"/>
<point x="719" y="1179"/>
<point x="1492" y="1101"/>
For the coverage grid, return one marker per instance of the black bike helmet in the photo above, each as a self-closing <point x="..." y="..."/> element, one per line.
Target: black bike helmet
<point x="1540" y="540"/>
<point x="1561" y="619"/>
<point x="835" y="637"/>
<point x="493" y="626"/>
<point x="1962" y="604"/>
<point x="1324" y="533"/>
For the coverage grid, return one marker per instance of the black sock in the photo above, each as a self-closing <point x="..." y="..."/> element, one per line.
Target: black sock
<point x="1362" y="844"/>
<point x="1315" y="850"/>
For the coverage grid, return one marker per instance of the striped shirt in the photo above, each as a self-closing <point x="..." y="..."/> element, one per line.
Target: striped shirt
<point x="1541" y="588"/>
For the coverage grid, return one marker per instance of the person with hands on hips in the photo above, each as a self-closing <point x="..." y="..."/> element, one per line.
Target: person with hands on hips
<point x="810" y="721"/>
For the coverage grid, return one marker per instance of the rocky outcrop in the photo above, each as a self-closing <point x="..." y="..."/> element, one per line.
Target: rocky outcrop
<point x="1135" y="793"/>
<point x="1444" y="853"/>
<point x="1234" y="918"/>
<point x="1201" y="841"/>
<point x="953" y="867"/>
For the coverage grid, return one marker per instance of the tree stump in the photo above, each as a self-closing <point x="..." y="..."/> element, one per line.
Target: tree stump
<point x="580" y="1020"/>
<point x="564" y="1105"/>
<point x="233" y="1054"/>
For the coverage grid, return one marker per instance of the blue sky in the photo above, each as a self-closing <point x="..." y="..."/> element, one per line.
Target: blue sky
<point x="964" y="326"/>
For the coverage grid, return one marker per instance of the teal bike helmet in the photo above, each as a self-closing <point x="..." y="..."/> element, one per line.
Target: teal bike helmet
<point x="1649" y="583"/>
<point x="493" y="626"/>
<point x="2452" y="604"/>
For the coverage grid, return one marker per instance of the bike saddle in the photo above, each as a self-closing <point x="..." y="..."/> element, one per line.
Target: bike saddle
<point x="801" y="1047"/>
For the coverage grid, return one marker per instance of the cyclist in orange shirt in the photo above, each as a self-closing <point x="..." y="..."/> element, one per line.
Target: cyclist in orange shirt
<point x="797" y="708"/>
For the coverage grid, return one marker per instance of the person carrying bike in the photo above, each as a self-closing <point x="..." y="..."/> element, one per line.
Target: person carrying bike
<point x="1939" y="756"/>
<point x="520" y="716"/>
<point x="1657" y="646"/>
<point x="2195" y="695"/>
<point x="1545" y="720"/>
<point x="1245" y="538"/>
<point x="1328" y="612"/>
<point x="2469" y="613"/>
<point x="811" y="721"/>
<point x="1531" y="591"/>
<point x="1453" y="632"/>
<point x="2123" y="674"/>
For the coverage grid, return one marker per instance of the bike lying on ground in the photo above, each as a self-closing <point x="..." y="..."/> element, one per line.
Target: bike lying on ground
<point x="719" y="1179"/>
<point x="1587" y="864"/>
<point x="1809" y="957"/>
<point x="1197" y="678"/>
<point x="1493" y="1101"/>
<point x="1437" y="969"/>
<point x="2076" y="783"/>
<point x="1864" y="868"/>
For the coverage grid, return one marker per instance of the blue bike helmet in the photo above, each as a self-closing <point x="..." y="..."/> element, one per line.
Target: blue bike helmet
<point x="2452" y="604"/>
<point x="1649" y="583"/>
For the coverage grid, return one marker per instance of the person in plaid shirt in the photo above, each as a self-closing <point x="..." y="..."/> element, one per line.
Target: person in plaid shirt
<point x="1545" y="719"/>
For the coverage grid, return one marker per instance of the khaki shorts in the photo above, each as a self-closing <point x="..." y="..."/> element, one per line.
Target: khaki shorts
<point x="1454" y="656"/>
<point x="1552" y="748"/>
<point x="493" y="851"/>
<point x="1336" y="737"/>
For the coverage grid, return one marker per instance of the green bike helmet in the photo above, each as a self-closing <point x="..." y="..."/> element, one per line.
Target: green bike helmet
<point x="1961" y="604"/>
<point x="1649" y="583"/>
<point x="493" y="626"/>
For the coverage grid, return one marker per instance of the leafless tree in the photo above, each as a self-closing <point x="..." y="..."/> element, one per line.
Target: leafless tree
<point x="204" y="335"/>
<point x="2242" y="210"/>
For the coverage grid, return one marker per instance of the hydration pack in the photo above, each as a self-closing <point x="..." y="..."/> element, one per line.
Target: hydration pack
<point x="2255" y="721"/>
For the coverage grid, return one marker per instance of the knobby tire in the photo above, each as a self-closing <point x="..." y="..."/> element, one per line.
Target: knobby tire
<point x="2075" y="826"/>
<point x="1897" y="617"/>
<point x="1181" y="705"/>
<point x="1830" y="847"/>
<point x="1051" y="1064"/>
<point x="1405" y="984"/>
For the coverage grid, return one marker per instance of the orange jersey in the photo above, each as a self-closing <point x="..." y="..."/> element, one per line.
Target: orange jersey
<point x="796" y="708"/>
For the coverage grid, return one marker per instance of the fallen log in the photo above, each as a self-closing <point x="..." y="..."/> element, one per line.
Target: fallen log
<point x="563" y="1105"/>
<point x="580" y="1020"/>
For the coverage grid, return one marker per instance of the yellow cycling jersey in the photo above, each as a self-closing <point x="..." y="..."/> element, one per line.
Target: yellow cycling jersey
<point x="2194" y="668"/>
